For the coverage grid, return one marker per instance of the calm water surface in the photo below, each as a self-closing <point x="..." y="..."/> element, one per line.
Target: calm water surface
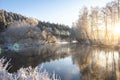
<point x="71" y="61"/>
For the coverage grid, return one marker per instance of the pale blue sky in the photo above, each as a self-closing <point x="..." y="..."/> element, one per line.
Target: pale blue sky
<point x="57" y="11"/>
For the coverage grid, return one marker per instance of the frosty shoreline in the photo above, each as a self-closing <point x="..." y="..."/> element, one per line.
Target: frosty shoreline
<point x="24" y="73"/>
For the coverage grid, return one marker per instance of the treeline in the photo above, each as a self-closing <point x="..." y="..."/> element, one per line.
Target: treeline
<point x="8" y="18"/>
<point x="98" y="25"/>
<point x="59" y="30"/>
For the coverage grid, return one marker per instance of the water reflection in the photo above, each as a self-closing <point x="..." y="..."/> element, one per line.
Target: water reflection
<point x="64" y="68"/>
<point x="72" y="61"/>
<point x="97" y="64"/>
<point x="34" y="57"/>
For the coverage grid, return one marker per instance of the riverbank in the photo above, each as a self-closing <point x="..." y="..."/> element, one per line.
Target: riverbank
<point x="110" y="46"/>
<point x="46" y="47"/>
<point x="24" y="73"/>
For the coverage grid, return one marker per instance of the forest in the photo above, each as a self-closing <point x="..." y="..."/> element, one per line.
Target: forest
<point x="33" y="49"/>
<point x="15" y="27"/>
<point x="99" y="25"/>
<point x="95" y="26"/>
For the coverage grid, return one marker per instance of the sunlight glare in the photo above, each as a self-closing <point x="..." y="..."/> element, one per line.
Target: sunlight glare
<point x="16" y="47"/>
<point x="117" y="29"/>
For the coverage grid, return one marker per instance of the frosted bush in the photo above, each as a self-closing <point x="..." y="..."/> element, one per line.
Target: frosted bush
<point x="24" y="73"/>
<point x="21" y="31"/>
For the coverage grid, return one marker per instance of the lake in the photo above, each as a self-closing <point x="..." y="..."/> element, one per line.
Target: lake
<point x="70" y="61"/>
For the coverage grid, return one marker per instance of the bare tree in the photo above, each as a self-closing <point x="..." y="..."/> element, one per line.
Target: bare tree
<point x="97" y="26"/>
<point x="22" y="34"/>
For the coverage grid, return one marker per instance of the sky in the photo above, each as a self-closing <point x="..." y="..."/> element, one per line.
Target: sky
<point x="54" y="11"/>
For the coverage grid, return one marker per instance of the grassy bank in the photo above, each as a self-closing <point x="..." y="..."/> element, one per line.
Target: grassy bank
<point x="24" y="73"/>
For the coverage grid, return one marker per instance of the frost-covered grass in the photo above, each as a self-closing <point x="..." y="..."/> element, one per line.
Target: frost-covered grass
<point x="24" y="73"/>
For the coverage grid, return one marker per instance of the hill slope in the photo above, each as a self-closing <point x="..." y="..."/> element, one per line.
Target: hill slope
<point x="12" y="23"/>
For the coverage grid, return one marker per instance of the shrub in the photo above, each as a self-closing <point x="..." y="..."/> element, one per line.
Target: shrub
<point x="24" y="73"/>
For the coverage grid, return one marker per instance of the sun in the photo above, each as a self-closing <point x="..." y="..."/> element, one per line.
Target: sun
<point x="117" y="30"/>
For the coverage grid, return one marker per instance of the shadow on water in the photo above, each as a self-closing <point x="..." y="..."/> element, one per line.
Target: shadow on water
<point x="71" y="61"/>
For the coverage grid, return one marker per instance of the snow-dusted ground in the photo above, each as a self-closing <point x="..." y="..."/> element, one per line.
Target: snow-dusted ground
<point x="24" y="73"/>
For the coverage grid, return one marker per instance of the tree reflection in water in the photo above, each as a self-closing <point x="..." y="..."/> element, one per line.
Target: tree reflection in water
<point x="94" y="63"/>
<point x="97" y="63"/>
<point x="34" y="57"/>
